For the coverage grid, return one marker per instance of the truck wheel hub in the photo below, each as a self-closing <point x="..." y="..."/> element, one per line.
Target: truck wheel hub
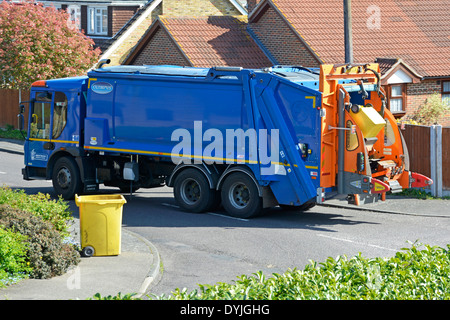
<point x="190" y="191"/>
<point x="64" y="178"/>
<point x="239" y="195"/>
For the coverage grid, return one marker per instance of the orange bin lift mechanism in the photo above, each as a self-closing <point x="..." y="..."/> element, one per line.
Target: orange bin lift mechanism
<point x="388" y="159"/>
<point x="389" y="148"/>
<point x="350" y="157"/>
<point x="330" y="75"/>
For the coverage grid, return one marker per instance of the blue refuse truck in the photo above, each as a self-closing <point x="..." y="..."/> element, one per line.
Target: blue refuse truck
<point x="247" y="139"/>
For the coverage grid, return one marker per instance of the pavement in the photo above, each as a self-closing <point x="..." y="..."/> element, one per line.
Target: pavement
<point x="398" y="205"/>
<point x="132" y="271"/>
<point x="137" y="267"/>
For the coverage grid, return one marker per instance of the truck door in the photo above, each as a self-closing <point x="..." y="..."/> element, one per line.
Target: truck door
<point x="48" y="117"/>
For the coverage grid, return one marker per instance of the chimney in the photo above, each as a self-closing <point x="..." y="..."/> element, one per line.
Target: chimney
<point x="251" y="4"/>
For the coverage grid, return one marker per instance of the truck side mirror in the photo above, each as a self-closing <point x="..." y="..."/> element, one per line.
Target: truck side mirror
<point x="21" y="121"/>
<point x="21" y="109"/>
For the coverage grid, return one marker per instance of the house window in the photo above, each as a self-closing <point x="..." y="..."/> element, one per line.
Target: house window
<point x="446" y="92"/>
<point x="74" y="16"/>
<point x="98" y="20"/>
<point x="397" y="98"/>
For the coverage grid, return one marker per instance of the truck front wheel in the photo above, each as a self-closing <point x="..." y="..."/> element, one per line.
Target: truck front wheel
<point x="66" y="178"/>
<point x="240" y="196"/>
<point x="192" y="191"/>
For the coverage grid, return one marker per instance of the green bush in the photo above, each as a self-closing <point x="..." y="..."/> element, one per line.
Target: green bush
<point x="47" y="254"/>
<point x="410" y="274"/>
<point x="13" y="253"/>
<point x="119" y="296"/>
<point x="55" y="211"/>
<point x="430" y="112"/>
<point x="418" y="193"/>
<point x="10" y="133"/>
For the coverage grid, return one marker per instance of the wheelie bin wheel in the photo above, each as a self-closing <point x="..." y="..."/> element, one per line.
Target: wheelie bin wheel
<point x="87" y="251"/>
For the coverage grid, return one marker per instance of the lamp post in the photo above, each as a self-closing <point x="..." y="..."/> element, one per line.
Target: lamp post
<point x="348" y="31"/>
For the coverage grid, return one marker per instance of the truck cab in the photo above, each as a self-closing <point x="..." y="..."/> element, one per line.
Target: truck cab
<point x="55" y="131"/>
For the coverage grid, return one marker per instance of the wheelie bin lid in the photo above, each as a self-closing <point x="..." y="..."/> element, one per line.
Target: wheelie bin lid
<point x="101" y="199"/>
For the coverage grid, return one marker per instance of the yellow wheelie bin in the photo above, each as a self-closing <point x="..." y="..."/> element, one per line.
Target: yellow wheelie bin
<point x="100" y="224"/>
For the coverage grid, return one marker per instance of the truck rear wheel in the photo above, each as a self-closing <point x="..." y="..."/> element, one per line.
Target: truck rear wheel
<point x="66" y="178"/>
<point x="240" y="196"/>
<point x="192" y="191"/>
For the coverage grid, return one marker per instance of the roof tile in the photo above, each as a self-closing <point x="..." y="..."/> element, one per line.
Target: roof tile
<point x="216" y="40"/>
<point x="381" y="28"/>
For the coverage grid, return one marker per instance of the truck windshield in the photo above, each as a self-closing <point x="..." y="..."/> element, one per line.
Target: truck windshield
<point x="59" y="114"/>
<point x="40" y="119"/>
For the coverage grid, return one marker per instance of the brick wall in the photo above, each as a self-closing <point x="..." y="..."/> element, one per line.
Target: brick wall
<point x="417" y="93"/>
<point x="198" y="8"/>
<point x="161" y="50"/>
<point x="126" y="45"/>
<point x="251" y="4"/>
<point x="445" y="122"/>
<point x="120" y="16"/>
<point x="282" y="43"/>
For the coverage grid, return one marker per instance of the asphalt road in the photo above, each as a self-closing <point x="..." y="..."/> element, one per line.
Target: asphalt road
<point x="210" y="248"/>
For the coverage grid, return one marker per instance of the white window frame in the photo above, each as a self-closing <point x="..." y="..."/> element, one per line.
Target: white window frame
<point x="74" y="15"/>
<point x="398" y="98"/>
<point x="57" y="6"/>
<point x="97" y="25"/>
<point x="446" y="92"/>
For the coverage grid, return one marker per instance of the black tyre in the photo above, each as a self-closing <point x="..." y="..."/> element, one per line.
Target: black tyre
<point x="240" y="196"/>
<point x="192" y="191"/>
<point x="87" y="252"/>
<point x="66" y="178"/>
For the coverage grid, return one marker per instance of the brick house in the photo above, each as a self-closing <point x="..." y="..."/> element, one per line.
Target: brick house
<point x="199" y="42"/>
<point x="200" y="33"/>
<point x="117" y="25"/>
<point x="126" y="39"/>
<point x="101" y="20"/>
<point x="411" y="39"/>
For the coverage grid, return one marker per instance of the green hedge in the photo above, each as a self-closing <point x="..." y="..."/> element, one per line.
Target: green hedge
<point x="420" y="272"/>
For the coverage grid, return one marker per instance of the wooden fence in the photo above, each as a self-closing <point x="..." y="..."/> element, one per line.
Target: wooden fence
<point x="429" y="154"/>
<point x="9" y="106"/>
<point x="417" y="140"/>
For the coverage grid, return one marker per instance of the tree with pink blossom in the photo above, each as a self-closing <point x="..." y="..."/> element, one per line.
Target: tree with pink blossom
<point x="39" y="43"/>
